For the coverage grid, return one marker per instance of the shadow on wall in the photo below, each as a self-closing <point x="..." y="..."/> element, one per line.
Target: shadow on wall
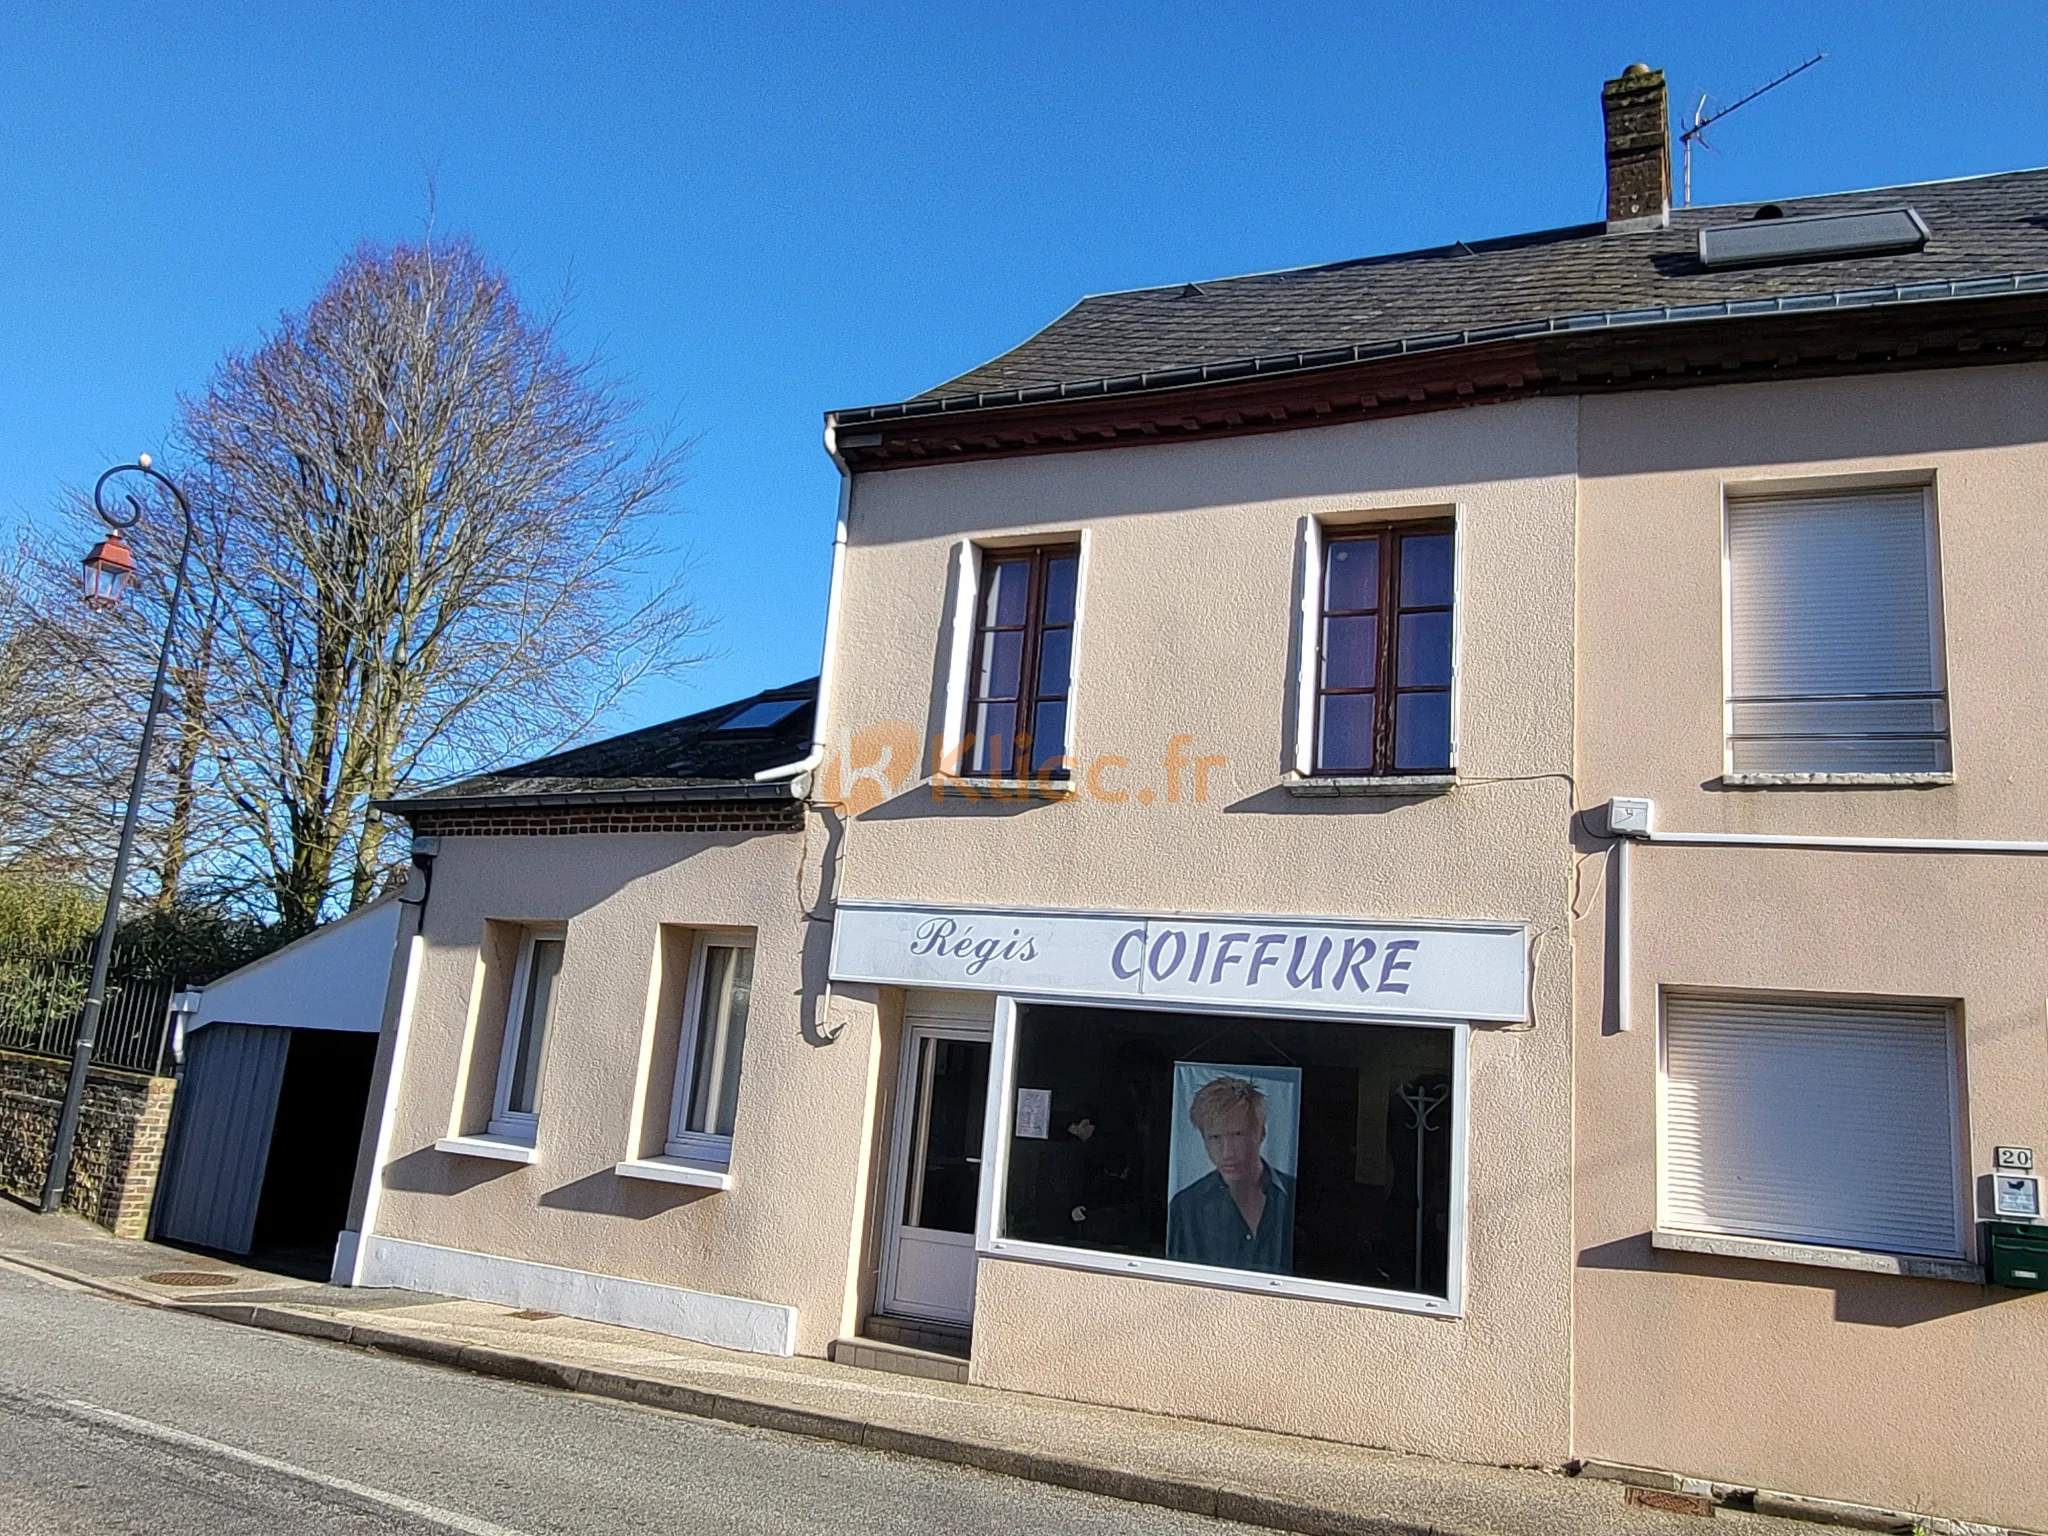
<point x="918" y="803"/>
<point x="1875" y="416"/>
<point x="1277" y="800"/>
<point x="1876" y="1301"/>
<point x="431" y="1172"/>
<point x="604" y="1193"/>
<point x="1417" y="456"/>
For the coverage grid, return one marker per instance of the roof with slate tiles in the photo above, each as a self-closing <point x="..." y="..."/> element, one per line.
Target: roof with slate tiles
<point x="711" y="755"/>
<point x="1981" y="226"/>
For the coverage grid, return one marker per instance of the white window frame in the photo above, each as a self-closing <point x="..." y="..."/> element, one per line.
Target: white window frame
<point x="1308" y="629"/>
<point x="1732" y="495"/>
<point x="1743" y="1244"/>
<point x="698" y="1146"/>
<point x="507" y="1123"/>
<point x="995" y="1171"/>
<point x="960" y="627"/>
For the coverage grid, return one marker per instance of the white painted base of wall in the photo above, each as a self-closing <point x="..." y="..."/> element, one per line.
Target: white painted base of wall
<point x="731" y="1322"/>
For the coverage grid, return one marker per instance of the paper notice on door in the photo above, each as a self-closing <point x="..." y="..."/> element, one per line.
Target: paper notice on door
<point x="1034" y="1113"/>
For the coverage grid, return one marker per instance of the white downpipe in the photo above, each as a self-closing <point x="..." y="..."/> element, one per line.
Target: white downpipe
<point x="387" y="1113"/>
<point x="1624" y="971"/>
<point x="810" y="761"/>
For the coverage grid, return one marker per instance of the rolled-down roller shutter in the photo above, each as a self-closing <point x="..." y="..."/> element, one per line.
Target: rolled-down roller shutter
<point x="1813" y="1122"/>
<point x="1834" y="638"/>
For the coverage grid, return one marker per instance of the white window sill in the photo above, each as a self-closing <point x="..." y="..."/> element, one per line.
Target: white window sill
<point x="1841" y="780"/>
<point x="1324" y="784"/>
<point x="1220" y="1279"/>
<point x="960" y="787"/>
<point x="497" y="1148"/>
<point x="675" y="1170"/>
<point x="1913" y="1265"/>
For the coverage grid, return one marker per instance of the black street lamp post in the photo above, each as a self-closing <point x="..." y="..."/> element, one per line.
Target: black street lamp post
<point x="108" y="570"/>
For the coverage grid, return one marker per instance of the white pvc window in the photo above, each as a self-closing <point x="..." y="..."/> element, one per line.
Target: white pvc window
<point x="713" y="1044"/>
<point x="516" y="1105"/>
<point x="1811" y="1121"/>
<point x="1834" y="635"/>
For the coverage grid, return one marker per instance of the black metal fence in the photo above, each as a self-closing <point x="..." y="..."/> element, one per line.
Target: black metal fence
<point x="41" y="997"/>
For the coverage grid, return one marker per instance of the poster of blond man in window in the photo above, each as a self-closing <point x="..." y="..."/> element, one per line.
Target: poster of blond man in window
<point x="1236" y="1135"/>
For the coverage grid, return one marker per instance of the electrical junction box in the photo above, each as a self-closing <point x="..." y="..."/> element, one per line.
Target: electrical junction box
<point x="1629" y="816"/>
<point x="2016" y="1255"/>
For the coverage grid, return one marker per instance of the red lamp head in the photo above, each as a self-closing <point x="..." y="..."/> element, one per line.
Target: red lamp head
<point x="108" y="570"/>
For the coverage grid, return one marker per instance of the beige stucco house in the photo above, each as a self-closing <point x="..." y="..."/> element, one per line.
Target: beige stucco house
<point x="1437" y="852"/>
<point x="594" y="946"/>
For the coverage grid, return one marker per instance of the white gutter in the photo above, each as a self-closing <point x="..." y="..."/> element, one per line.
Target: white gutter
<point x="1636" y="816"/>
<point x="810" y="761"/>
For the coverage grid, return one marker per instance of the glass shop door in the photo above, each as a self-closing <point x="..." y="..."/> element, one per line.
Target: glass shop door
<point x="935" y="1177"/>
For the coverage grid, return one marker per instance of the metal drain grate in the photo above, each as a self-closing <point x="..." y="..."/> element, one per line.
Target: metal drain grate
<point x="189" y="1277"/>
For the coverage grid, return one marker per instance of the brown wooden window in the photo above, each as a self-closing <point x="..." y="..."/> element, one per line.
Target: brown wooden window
<point x="1383" y="664"/>
<point x="1023" y="662"/>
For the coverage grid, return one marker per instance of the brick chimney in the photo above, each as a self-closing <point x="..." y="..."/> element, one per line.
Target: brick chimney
<point x="1638" y="150"/>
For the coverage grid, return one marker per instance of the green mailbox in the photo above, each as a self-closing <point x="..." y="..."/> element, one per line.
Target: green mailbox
<point x="2018" y="1254"/>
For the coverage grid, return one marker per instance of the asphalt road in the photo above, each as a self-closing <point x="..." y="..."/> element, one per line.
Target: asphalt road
<point x="115" y="1418"/>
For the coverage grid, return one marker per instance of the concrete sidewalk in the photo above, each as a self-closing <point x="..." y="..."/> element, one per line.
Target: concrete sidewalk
<point x="1277" y="1481"/>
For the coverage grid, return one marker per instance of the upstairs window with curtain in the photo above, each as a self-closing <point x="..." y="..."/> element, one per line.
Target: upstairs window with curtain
<point x="1022" y="667"/>
<point x="1834" y="634"/>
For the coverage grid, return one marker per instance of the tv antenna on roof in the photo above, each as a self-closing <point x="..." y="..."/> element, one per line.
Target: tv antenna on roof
<point x="1702" y="119"/>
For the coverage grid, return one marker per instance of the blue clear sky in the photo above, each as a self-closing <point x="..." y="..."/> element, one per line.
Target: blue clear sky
<point x="770" y="210"/>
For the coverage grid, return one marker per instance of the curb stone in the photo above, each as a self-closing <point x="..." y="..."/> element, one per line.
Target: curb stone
<point x="1222" y="1501"/>
<point x="1185" y="1495"/>
<point x="1790" y="1506"/>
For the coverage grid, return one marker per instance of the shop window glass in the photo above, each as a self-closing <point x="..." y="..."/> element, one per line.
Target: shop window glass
<point x="1320" y="1151"/>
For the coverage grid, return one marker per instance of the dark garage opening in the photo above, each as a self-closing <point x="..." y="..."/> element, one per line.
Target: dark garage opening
<point x="313" y="1143"/>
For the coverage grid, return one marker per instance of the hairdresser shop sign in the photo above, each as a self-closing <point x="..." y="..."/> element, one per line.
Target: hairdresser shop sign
<point x="1434" y="970"/>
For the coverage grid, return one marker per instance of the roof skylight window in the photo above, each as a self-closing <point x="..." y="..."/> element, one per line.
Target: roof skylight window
<point x="759" y="716"/>
<point x="1773" y="238"/>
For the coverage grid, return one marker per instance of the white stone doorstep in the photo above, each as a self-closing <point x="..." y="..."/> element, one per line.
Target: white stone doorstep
<point x="730" y="1322"/>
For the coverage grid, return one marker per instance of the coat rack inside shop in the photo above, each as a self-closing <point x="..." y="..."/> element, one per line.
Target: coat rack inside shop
<point x="1423" y="1101"/>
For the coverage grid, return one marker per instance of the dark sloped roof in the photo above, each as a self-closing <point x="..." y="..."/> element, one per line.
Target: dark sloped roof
<point x="1980" y="226"/>
<point x="694" y="758"/>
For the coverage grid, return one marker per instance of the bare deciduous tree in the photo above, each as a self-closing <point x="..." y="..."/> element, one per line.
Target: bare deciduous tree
<point x="63" y="705"/>
<point x="428" y="540"/>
